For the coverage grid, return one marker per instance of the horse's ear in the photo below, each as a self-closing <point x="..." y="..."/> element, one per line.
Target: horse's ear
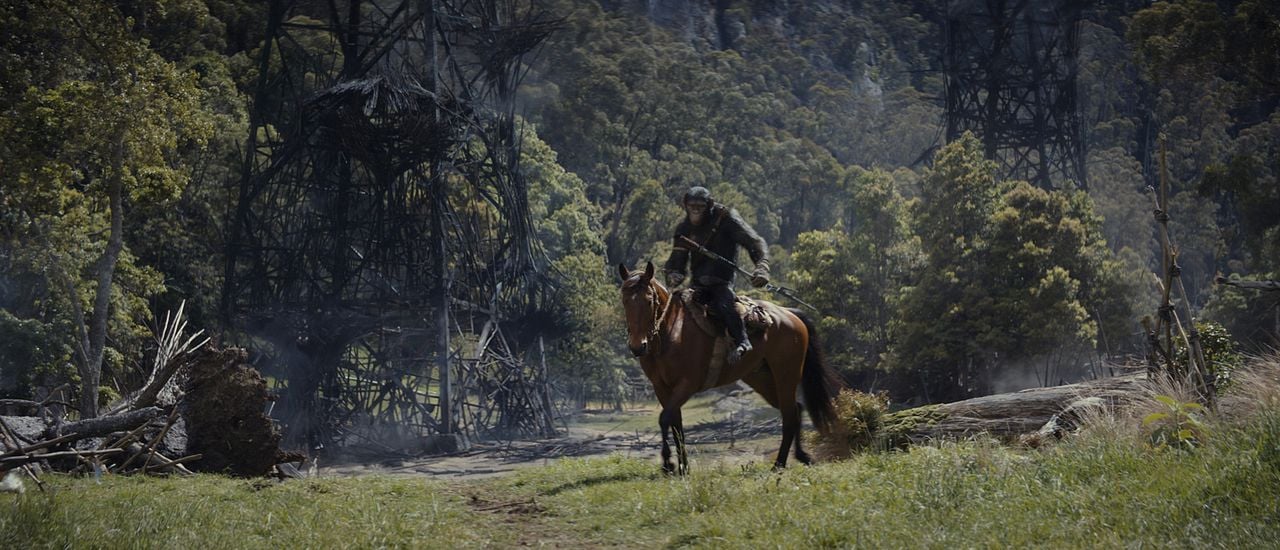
<point x="648" y="270"/>
<point x="622" y="271"/>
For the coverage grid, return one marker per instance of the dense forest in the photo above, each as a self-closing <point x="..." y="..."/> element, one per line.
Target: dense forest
<point x="127" y="127"/>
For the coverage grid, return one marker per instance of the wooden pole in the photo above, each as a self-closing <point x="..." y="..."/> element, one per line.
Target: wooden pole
<point x="1197" y="370"/>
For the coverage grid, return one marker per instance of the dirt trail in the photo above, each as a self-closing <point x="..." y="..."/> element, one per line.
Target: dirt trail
<point x="748" y="434"/>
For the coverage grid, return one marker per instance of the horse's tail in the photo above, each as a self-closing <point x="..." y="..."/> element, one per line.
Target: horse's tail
<point x="818" y="382"/>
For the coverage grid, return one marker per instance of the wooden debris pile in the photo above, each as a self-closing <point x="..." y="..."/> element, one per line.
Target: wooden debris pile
<point x="212" y="418"/>
<point x="125" y="442"/>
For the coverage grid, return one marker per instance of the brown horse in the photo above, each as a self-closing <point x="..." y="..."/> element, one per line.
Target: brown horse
<point x="676" y="355"/>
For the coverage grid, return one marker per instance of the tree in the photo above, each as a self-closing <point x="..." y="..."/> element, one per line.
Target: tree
<point x="948" y="309"/>
<point x="856" y="270"/>
<point x="1014" y="277"/>
<point x="588" y="357"/>
<point x="97" y="129"/>
<point x="1215" y="72"/>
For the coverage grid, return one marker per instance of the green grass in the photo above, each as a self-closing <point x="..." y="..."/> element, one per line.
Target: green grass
<point x="1097" y="490"/>
<point x="217" y="512"/>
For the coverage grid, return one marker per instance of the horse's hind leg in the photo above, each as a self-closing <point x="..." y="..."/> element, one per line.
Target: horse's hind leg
<point x="790" y="430"/>
<point x="786" y="362"/>
<point x="802" y="456"/>
<point x="766" y="384"/>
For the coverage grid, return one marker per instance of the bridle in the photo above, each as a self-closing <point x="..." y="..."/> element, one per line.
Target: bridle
<point x="658" y="316"/>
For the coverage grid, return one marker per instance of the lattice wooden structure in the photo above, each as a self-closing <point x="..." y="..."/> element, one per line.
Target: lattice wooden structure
<point x="380" y="200"/>
<point x="1010" y="68"/>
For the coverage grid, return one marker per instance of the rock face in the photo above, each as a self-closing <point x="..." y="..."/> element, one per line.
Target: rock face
<point x="224" y="412"/>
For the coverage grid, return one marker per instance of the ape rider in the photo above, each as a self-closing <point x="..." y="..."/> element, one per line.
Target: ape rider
<point x="721" y="230"/>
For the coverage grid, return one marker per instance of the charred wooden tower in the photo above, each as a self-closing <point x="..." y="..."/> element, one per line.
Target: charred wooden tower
<point x="1010" y="69"/>
<point x="380" y="249"/>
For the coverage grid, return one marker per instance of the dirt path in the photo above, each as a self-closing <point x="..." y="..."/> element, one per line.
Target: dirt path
<point x="490" y="459"/>
<point x="743" y="432"/>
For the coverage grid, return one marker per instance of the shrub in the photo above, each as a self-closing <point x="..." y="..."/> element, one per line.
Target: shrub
<point x="858" y="421"/>
<point x="1219" y="352"/>
<point x="1178" y="425"/>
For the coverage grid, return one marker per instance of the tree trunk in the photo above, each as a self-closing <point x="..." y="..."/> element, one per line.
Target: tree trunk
<point x="1251" y="285"/>
<point x="94" y="427"/>
<point x="90" y="366"/>
<point x="1007" y="415"/>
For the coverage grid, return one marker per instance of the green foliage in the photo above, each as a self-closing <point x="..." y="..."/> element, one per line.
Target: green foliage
<point x="28" y="349"/>
<point x="590" y="361"/>
<point x="1246" y="315"/>
<point x="1214" y="71"/>
<point x="957" y="198"/>
<point x="1220" y="352"/>
<point x="1178" y="41"/>
<point x="1178" y="425"/>
<point x="856" y="271"/>
<point x="1013" y="272"/>
<point x="636" y="110"/>
<point x="101" y="124"/>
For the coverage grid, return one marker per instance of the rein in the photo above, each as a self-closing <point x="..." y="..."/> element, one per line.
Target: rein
<point x="658" y="317"/>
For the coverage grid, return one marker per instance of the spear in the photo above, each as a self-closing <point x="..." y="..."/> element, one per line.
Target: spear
<point x="693" y="245"/>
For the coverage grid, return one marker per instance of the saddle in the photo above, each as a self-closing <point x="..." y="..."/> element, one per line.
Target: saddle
<point x="755" y="315"/>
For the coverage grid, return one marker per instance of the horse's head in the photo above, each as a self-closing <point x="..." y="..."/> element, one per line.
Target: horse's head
<point x="642" y="300"/>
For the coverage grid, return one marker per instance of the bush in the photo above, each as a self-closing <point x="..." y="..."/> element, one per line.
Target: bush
<point x="858" y="420"/>
<point x="1178" y="425"/>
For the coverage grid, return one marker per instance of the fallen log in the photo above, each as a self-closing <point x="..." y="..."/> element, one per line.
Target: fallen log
<point x="57" y="454"/>
<point x="20" y="404"/>
<point x="216" y="424"/>
<point x="1251" y="285"/>
<point x="103" y="425"/>
<point x="1007" y="415"/>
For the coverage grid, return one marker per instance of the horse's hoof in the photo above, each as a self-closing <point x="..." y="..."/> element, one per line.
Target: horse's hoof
<point x="779" y="466"/>
<point x="668" y="469"/>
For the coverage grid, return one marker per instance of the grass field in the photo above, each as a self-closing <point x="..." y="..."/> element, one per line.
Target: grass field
<point x="1104" y="488"/>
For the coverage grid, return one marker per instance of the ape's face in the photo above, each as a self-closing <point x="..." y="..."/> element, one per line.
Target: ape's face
<point x="697" y="211"/>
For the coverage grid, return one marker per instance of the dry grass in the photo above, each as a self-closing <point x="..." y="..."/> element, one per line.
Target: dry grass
<point x="1255" y="388"/>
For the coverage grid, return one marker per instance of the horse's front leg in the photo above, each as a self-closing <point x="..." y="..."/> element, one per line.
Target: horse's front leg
<point x="682" y="451"/>
<point x="664" y="427"/>
<point x="671" y="420"/>
<point x="672" y="398"/>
